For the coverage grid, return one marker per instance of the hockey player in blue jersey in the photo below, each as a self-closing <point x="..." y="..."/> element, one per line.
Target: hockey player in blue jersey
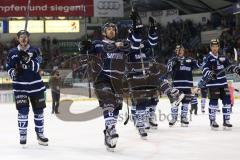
<point x="181" y="68"/>
<point x="215" y="80"/>
<point x="143" y="82"/>
<point x="23" y="63"/>
<point x="143" y="110"/>
<point x="108" y="83"/>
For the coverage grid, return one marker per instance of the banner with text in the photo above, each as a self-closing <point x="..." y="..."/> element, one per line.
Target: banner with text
<point x="18" y="8"/>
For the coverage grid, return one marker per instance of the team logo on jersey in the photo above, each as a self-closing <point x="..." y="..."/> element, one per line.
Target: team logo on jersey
<point x="139" y="56"/>
<point x="114" y="56"/>
<point x="14" y="56"/>
<point x="185" y="68"/>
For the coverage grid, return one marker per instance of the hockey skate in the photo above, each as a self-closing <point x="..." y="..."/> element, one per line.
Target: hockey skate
<point x="172" y="122"/>
<point x="227" y="125"/>
<point x="142" y="133"/>
<point x="42" y="140"/>
<point x="184" y="122"/>
<point x="23" y="141"/>
<point x="214" y="125"/>
<point x="147" y="125"/>
<point x="203" y="110"/>
<point x="110" y="138"/>
<point x="153" y="124"/>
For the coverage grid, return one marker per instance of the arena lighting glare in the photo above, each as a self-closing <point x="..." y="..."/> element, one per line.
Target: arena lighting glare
<point x="18" y="18"/>
<point x="61" y="18"/>
<point x="48" y="17"/>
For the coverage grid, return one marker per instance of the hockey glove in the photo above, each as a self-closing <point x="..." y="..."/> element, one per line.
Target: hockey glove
<point x="85" y="45"/>
<point x="212" y="75"/>
<point x="175" y="63"/>
<point x="24" y="57"/>
<point x="152" y="24"/>
<point x="18" y="70"/>
<point x="174" y="92"/>
<point x="137" y="23"/>
<point x="201" y="84"/>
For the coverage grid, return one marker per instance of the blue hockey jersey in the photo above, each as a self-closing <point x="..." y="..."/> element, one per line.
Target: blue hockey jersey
<point x="29" y="81"/>
<point x="112" y="58"/>
<point x="142" y="48"/>
<point x="216" y="64"/>
<point x="182" y="77"/>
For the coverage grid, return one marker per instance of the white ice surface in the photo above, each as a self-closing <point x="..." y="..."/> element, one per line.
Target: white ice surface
<point x="84" y="140"/>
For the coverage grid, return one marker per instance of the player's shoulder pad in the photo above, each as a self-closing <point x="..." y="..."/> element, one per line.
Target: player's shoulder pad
<point x="209" y="57"/>
<point x="34" y="51"/>
<point x="12" y="53"/>
<point x="95" y="42"/>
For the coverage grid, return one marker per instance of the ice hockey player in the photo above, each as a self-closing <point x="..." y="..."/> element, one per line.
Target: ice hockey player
<point x="23" y="63"/>
<point x="108" y="82"/>
<point x="141" y="84"/>
<point x="181" y="68"/>
<point x="215" y="79"/>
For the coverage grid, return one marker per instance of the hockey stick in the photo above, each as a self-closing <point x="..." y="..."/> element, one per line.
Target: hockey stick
<point x="27" y="15"/>
<point x="127" y="119"/>
<point x="86" y="37"/>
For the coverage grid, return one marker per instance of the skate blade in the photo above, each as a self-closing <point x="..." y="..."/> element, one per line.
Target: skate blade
<point x="110" y="149"/>
<point x="214" y="129"/>
<point x="143" y="137"/>
<point x="171" y="126"/>
<point x="184" y="125"/>
<point x="227" y="128"/>
<point x="43" y="143"/>
<point x="24" y="146"/>
<point x="154" y="127"/>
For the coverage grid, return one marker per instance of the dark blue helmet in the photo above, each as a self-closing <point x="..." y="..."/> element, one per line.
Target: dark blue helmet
<point x="107" y="25"/>
<point x="23" y="32"/>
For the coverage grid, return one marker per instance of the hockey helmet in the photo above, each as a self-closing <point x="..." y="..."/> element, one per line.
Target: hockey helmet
<point x="23" y="32"/>
<point x="214" y="42"/>
<point x="107" y="25"/>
